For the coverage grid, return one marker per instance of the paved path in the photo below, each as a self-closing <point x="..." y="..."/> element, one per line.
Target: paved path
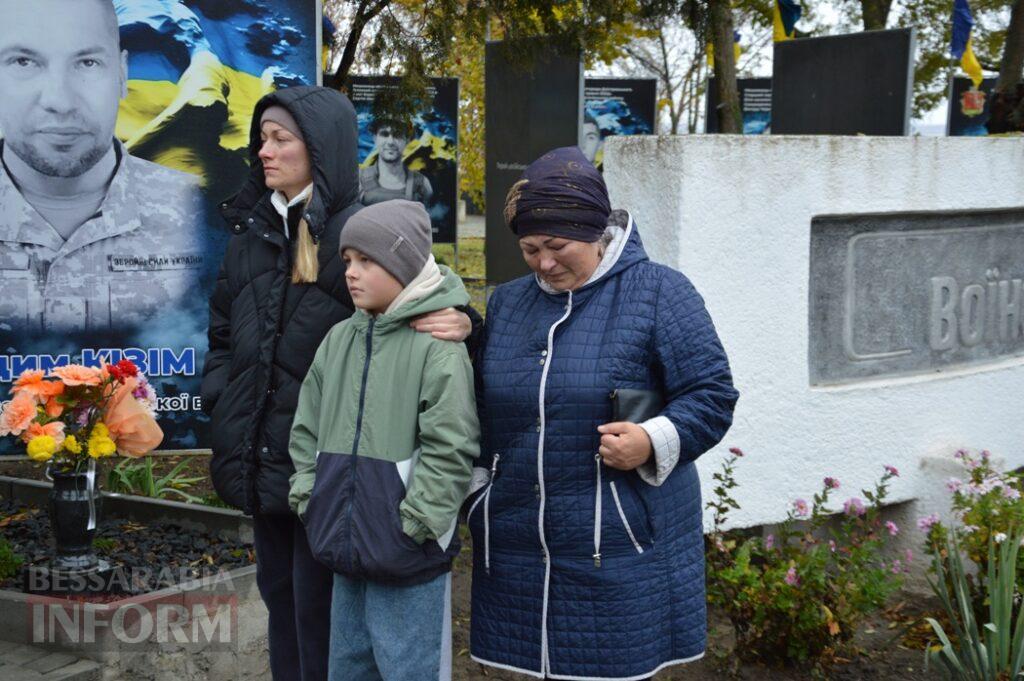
<point x="474" y="225"/>
<point x="27" y="663"/>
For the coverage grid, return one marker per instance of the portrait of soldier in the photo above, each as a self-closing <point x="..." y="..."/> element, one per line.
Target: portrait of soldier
<point x="590" y="141"/>
<point x="389" y="178"/>
<point x="91" y="238"/>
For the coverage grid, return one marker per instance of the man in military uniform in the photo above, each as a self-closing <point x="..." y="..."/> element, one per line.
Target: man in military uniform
<point x="91" y="238"/>
<point x="388" y="178"/>
<point x="591" y="143"/>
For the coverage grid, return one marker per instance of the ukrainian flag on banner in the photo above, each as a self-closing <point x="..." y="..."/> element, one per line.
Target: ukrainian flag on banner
<point x="194" y="78"/>
<point x="784" y="18"/>
<point x="960" y="45"/>
<point x="328" y="40"/>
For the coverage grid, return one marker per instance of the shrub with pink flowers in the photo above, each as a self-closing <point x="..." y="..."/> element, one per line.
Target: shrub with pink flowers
<point x="796" y="596"/>
<point x="987" y="503"/>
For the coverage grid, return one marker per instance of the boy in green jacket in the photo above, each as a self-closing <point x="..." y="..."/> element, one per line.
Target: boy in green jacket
<point x="383" y="442"/>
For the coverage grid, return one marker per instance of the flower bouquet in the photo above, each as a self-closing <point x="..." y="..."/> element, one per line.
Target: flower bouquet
<point x="80" y="413"/>
<point x="69" y="419"/>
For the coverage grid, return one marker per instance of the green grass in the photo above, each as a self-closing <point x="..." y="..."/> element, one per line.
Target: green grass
<point x="472" y="267"/>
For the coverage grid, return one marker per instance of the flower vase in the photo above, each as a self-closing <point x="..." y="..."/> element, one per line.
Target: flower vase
<point x="74" y="516"/>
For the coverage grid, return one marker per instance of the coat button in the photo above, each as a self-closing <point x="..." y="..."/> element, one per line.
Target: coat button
<point x="542" y="362"/>
<point x="266" y="235"/>
<point x="266" y="449"/>
<point x="543" y="353"/>
<point x="251" y="221"/>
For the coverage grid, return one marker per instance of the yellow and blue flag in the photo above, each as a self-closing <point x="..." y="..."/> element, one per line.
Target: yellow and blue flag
<point x="784" y="18"/>
<point x="737" y="50"/>
<point x="328" y="40"/>
<point x="960" y="45"/>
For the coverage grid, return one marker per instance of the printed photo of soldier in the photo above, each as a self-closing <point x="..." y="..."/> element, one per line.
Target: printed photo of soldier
<point x="389" y="177"/>
<point x="91" y="238"/>
<point x="591" y="143"/>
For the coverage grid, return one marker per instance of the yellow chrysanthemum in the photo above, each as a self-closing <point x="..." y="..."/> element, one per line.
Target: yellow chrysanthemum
<point x="99" y="430"/>
<point x="72" y="444"/>
<point x="42" y="448"/>
<point x="101" y="446"/>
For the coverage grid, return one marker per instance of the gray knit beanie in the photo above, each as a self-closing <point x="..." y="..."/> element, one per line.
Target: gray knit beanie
<point x="283" y="117"/>
<point x="395" y="234"/>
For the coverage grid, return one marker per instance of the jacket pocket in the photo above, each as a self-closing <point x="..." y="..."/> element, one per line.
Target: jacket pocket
<point x="382" y="551"/>
<point x="622" y="517"/>
<point x="329" y="510"/>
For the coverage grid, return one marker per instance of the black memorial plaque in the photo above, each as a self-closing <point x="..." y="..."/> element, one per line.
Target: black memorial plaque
<point x="530" y="110"/>
<point x="855" y="84"/>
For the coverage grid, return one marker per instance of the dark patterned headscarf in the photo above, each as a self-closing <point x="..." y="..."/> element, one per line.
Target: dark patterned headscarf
<point x="560" y="194"/>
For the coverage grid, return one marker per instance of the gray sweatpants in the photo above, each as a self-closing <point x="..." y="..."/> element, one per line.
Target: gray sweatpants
<point x="391" y="633"/>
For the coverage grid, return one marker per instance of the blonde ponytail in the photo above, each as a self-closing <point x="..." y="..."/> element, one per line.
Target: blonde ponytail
<point x="305" y="264"/>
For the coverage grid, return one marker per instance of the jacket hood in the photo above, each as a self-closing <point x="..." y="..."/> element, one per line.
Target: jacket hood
<point x="451" y="293"/>
<point x="328" y="123"/>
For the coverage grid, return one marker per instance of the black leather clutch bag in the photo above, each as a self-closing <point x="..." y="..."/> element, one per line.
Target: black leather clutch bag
<point x="634" y="405"/>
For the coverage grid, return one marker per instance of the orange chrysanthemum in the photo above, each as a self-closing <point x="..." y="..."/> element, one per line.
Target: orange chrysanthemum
<point x="54" y="408"/>
<point x="54" y="429"/>
<point x="76" y="374"/>
<point x="18" y="414"/>
<point x="32" y="382"/>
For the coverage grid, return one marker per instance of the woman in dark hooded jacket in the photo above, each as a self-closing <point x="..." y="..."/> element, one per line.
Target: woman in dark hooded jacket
<point x="280" y="290"/>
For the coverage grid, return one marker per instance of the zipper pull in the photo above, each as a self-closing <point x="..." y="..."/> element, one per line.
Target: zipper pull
<point x="494" y="465"/>
<point x="597" y="560"/>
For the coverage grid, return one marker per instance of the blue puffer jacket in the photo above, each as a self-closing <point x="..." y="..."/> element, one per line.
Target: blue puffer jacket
<point x="543" y="604"/>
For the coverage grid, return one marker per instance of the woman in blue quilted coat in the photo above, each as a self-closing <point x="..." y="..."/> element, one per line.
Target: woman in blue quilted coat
<point x="587" y="541"/>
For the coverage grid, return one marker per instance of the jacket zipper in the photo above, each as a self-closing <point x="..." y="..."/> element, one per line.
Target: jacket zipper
<point x="487" y="515"/>
<point x="355" y="443"/>
<point x="545" y="663"/>
<point x="490" y="481"/>
<point x="622" y="516"/>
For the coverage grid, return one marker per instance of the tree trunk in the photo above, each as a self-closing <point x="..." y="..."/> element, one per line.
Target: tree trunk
<point x="670" y="90"/>
<point x="729" y="118"/>
<point x="875" y="14"/>
<point x="1011" y="71"/>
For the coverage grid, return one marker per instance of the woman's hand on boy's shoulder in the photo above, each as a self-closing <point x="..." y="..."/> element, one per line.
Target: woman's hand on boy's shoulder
<point x="447" y="324"/>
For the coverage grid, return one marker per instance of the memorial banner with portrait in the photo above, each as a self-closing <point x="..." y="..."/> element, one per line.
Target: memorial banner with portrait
<point x="123" y="125"/>
<point x="616" y="106"/>
<point x="413" y="155"/>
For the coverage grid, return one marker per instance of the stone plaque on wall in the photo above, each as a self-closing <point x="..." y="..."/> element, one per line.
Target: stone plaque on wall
<point x="912" y="293"/>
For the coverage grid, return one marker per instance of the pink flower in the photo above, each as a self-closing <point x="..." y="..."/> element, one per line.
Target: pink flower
<point x="832" y="545"/>
<point x="800" y="508"/>
<point x="853" y="506"/>
<point x="953" y="485"/>
<point x="1011" y="492"/>
<point x="985" y="454"/>
<point x="769" y="542"/>
<point x="960" y="454"/>
<point x="791" y="577"/>
<point x="736" y="450"/>
<point x="831" y="483"/>
<point x="893" y="471"/>
<point x="891" y="526"/>
<point x="926" y="523"/>
<point x="909" y="556"/>
<point x="896" y="567"/>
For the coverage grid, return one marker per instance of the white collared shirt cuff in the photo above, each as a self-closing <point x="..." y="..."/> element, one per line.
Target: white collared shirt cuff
<point x="665" y="444"/>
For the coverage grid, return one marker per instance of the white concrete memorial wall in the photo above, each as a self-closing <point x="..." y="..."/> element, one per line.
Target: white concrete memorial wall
<point x="851" y="350"/>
